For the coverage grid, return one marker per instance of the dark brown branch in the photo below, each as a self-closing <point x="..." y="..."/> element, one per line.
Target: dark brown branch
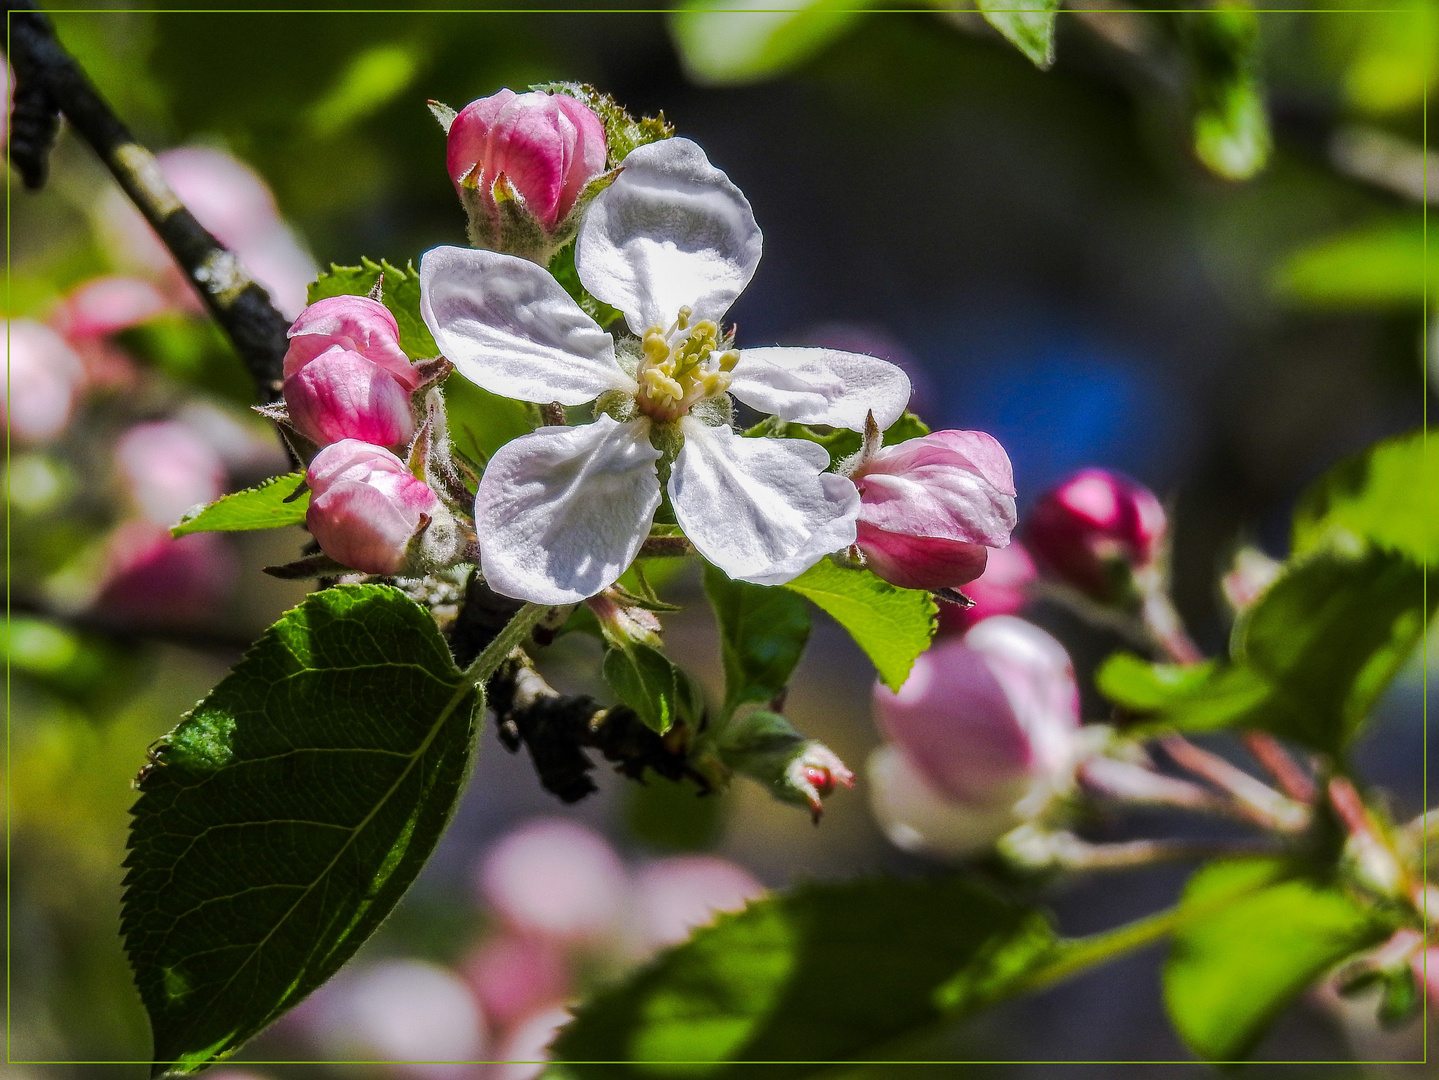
<point x="50" y="82"/>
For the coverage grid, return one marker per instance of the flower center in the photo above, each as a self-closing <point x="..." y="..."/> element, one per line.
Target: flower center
<point x="682" y="366"/>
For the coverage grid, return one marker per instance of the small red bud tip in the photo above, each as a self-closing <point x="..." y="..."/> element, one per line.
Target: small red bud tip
<point x="820" y="778"/>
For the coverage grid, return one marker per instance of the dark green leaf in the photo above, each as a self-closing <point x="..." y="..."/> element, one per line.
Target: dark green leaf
<point x="763" y="631"/>
<point x="288" y="813"/>
<point x="1375" y="266"/>
<point x="1232" y="969"/>
<point x="649" y="683"/>
<point x="1231" y="126"/>
<point x="400" y="293"/>
<point x="730" y="43"/>
<point x="892" y="625"/>
<point x="1388" y="496"/>
<point x="259" y="507"/>
<point x="1027" y="24"/>
<point x="831" y="972"/>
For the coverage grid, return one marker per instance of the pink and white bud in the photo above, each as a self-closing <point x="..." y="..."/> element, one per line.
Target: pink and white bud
<point x="932" y="507"/>
<point x="674" y="896"/>
<point x="354" y="323"/>
<point x="153" y="579"/>
<point x="341" y="395"/>
<point x="556" y="879"/>
<point x="549" y="146"/>
<point x="989" y="722"/>
<point x="366" y="506"/>
<point x="168" y="468"/>
<point x="1095" y="530"/>
<point x="1252" y="573"/>
<point x="45" y="377"/>
<point x="514" y="975"/>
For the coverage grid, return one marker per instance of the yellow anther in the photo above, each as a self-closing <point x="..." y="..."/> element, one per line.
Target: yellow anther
<point x="661" y="385"/>
<point x="728" y="360"/>
<point x="717" y="382"/>
<point x="683" y="322"/>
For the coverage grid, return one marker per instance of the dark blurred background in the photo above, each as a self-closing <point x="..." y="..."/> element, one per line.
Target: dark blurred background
<point x="1041" y="249"/>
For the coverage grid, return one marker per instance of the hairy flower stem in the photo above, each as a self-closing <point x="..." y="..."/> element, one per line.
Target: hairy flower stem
<point x="45" y="72"/>
<point x="505" y="642"/>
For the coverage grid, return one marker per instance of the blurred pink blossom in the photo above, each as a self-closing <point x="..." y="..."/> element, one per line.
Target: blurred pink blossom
<point x="152" y="578"/>
<point x="229" y="199"/>
<point x="168" y="468"/>
<point x="984" y="728"/>
<point x="555" y="878"/>
<point x="44" y="376"/>
<point x="513" y="975"/>
<point x="674" y="896"/>
<point x="106" y="305"/>
<point x="1001" y="590"/>
<point x="525" y="1050"/>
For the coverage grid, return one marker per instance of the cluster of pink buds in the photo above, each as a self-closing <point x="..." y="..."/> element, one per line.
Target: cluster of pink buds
<point x="350" y="389"/>
<point x="932" y="508"/>
<point x="525" y="166"/>
<point x="1098" y="532"/>
<point x="980" y="738"/>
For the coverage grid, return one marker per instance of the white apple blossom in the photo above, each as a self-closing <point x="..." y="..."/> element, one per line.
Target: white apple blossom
<point x="561" y="512"/>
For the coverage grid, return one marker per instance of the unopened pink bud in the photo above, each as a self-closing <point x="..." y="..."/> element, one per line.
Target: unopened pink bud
<point x="547" y="146"/>
<point x="45" y="376"/>
<point x="355" y="323"/>
<point x="987" y="716"/>
<point x="341" y="395"/>
<point x="366" y="506"/>
<point x="1003" y="589"/>
<point x="1093" y="529"/>
<point x="932" y="507"/>
<point x="816" y="773"/>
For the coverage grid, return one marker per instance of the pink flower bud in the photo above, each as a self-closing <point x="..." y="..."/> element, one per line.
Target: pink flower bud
<point x="355" y="323"/>
<point x="1094" y="529"/>
<point x="341" y="395"/>
<point x="988" y="721"/>
<point x="557" y="879"/>
<point x="1003" y="589"/>
<point x="366" y="506"/>
<point x="932" y="507"/>
<point x="548" y="146"/>
<point x="674" y="896"/>
<point x="45" y="377"/>
<point x="169" y="468"/>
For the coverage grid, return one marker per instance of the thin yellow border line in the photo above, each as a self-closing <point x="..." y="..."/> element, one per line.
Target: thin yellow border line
<point x="235" y="1060"/>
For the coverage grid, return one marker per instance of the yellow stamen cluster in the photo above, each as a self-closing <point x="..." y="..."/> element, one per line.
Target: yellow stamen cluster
<point x="682" y="366"/>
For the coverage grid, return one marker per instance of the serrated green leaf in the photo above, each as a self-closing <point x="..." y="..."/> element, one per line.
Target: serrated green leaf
<point x="892" y="625"/>
<point x="1233" y="969"/>
<point x="400" y="293"/>
<point x="763" y="631"/>
<point x="288" y="813"/>
<point x="1028" y="25"/>
<point x="1308" y="661"/>
<point x="649" y="683"/>
<point x="1379" y="265"/>
<point x="1388" y="496"/>
<point x="830" y="972"/>
<point x="745" y="41"/>
<point x="260" y="507"/>
<point x="1231" y="124"/>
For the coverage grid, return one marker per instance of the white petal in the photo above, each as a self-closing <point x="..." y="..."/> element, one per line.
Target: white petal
<point x="821" y="386"/>
<point x="762" y="510"/>
<point x="562" y="512"/>
<point x="672" y="231"/>
<point x="510" y="327"/>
